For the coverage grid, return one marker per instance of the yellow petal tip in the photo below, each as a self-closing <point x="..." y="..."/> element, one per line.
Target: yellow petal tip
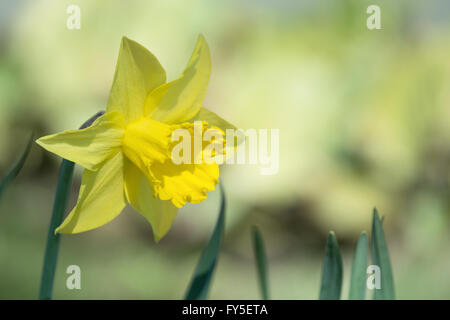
<point x="41" y="142"/>
<point x="201" y="36"/>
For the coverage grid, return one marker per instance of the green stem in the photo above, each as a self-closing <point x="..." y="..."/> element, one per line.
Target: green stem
<point x="261" y="262"/>
<point x="53" y="239"/>
<point x="59" y="207"/>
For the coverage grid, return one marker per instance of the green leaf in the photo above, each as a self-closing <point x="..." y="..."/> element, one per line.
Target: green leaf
<point x="9" y="177"/>
<point x="330" y="288"/>
<point x="51" y="250"/>
<point x="261" y="262"/>
<point x="199" y="287"/>
<point x="358" y="277"/>
<point x="380" y="257"/>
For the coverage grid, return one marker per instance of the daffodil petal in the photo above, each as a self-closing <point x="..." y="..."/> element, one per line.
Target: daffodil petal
<point x="88" y="147"/>
<point x="138" y="72"/>
<point x="160" y="214"/>
<point x="100" y="200"/>
<point x="181" y="183"/>
<point x="213" y="119"/>
<point x="179" y="100"/>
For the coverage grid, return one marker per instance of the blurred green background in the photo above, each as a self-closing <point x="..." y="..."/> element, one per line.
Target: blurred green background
<point x="364" y="119"/>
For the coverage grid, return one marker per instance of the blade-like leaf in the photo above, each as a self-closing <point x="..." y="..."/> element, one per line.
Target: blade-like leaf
<point x="51" y="250"/>
<point x="380" y="257"/>
<point x="330" y="288"/>
<point x="261" y="262"/>
<point x="358" y="277"/>
<point x="199" y="287"/>
<point x="9" y="177"/>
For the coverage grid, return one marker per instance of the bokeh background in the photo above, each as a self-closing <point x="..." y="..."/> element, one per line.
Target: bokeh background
<point x="364" y="120"/>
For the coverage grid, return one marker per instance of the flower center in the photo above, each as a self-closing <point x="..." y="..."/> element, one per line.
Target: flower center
<point x="147" y="141"/>
<point x="148" y="145"/>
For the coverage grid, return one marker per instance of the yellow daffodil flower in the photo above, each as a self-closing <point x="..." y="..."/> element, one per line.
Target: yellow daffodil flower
<point x="126" y="153"/>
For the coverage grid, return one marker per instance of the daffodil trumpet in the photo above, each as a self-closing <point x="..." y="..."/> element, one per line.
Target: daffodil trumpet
<point x="127" y="152"/>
